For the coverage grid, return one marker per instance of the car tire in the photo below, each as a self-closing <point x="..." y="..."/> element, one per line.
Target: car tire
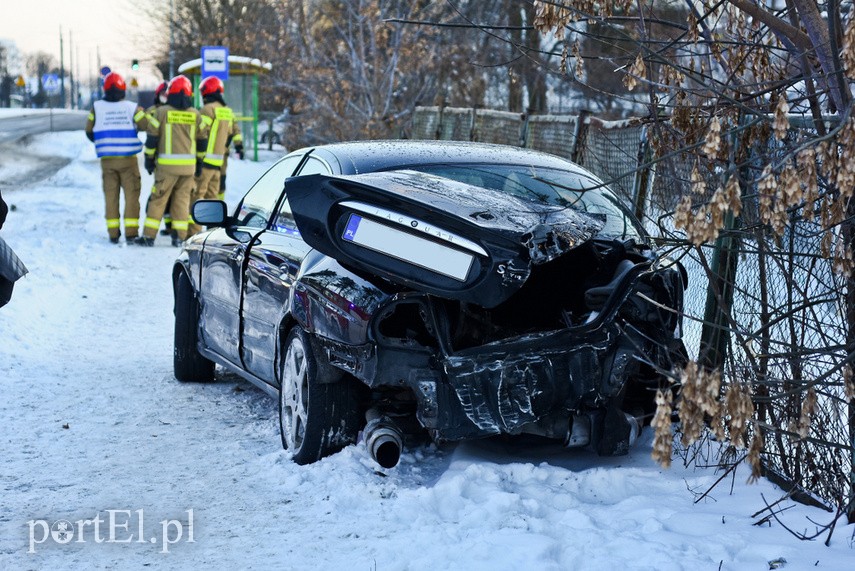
<point x="316" y="418"/>
<point x="270" y="136"/>
<point x="188" y="363"/>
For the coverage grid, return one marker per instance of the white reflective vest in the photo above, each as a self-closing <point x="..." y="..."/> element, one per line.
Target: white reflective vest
<point x="115" y="131"/>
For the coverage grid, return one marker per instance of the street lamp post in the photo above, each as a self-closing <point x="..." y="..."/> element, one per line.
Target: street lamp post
<point x="61" y="71"/>
<point x="171" y="39"/>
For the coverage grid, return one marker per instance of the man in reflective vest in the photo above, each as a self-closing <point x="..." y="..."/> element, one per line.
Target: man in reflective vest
<point x="173" y="133"/>
<point x="223" y="131"/>
<point x="112" y="125"/>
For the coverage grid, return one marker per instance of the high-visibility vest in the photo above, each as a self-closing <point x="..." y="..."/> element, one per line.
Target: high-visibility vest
<point x="115" y="130"/>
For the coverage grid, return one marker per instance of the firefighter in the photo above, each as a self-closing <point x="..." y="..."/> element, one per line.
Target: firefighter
<point x="223" y="131"/>
<point x="112" y="125"/>
<point x="174" y="131"/>
<point x="160" y="99"/>
<point x="222" y="195"/>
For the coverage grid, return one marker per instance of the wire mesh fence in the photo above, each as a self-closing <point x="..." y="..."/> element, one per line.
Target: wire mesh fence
<point x="767" y="310"/>
<point x="554" y="134"/>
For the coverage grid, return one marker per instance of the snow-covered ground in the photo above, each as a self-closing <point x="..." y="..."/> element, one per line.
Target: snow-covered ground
<point x="94" y="427"/>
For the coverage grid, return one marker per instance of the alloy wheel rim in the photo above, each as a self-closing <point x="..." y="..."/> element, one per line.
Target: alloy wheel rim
<point x="294" y="395"/>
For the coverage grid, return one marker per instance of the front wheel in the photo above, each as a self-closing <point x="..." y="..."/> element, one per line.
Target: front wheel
<point x="315" y="419"/>
<point x="188" y="363"/>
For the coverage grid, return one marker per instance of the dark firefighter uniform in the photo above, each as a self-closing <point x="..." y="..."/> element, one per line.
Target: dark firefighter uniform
<point x="112" y="125"/>
<point x="171" y="153"/>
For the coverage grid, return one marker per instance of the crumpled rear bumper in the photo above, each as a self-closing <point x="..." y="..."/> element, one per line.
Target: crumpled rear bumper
<point x="501" y="387"/>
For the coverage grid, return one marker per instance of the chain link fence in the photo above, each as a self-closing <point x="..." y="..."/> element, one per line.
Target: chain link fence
<point x="767" y="310"/>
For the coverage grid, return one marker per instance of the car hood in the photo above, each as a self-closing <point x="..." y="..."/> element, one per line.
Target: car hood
<point x="433" y="234"/>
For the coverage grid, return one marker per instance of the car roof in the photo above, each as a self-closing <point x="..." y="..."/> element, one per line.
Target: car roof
<point x="370" y="156"/>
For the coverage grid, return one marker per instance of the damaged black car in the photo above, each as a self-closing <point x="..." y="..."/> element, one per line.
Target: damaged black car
<point x="441" y="289"/>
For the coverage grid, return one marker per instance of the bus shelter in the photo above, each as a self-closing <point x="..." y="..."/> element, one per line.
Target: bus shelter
<point x="241" y="91"/>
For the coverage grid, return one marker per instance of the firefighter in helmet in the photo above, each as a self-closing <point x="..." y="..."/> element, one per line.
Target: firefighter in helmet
<point x="175" y="131"/>
<point x="160" y="99"/>
<point x="112" y="125"/>
<point x="223" y="131"/>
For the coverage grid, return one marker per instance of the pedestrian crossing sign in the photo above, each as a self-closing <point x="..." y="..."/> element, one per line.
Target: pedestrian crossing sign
<point x="50" y="81"/>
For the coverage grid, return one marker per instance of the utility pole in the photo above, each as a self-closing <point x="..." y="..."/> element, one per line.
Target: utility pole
<point x="76" y="93"/>
<point x="61" y="72"/>
<point x="71" y="67"/>
<point x="98" y="59"/>
<point x="171" y="39"/>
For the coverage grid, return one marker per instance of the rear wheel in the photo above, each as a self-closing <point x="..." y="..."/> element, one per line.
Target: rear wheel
<point x="270" y="137"/>
<point x="315" y="419"/>
<point x="188" y="363"/>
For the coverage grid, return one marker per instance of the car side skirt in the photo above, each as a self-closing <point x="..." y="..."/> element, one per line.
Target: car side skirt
<point x="269" y="389"/>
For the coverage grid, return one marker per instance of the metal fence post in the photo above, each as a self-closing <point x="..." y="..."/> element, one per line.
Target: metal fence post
<point x="579" y="135"/>
<point x="642" y="178"/>
<point x="438" y="134"/>
<point x="523" y="129"/>
<point x="715" y="333"/>
<point x="850" y="513"/>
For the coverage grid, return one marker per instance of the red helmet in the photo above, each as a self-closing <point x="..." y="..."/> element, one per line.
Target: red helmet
<point x="180" y="84"/>
<point x="161" y="90"/>
<point x="114" y="81"/>
<point x="211" y="85"/>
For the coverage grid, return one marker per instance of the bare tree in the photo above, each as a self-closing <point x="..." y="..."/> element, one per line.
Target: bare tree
<point x="753" y="184"/>
<point x="246" y="27"/>
<point x="353" y="70"/>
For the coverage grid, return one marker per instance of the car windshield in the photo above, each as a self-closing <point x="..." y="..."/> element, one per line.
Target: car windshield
<point x="553" y="186"/>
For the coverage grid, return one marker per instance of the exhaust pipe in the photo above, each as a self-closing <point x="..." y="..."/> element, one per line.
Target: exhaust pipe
<point x="635" y="424"/>
<point x="383" y="439"/>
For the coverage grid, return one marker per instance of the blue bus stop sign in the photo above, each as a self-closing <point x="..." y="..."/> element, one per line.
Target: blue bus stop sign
<point x="215" y="62"/>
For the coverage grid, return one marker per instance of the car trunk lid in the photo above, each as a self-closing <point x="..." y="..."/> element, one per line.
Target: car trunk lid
<point x="433" y="234"/>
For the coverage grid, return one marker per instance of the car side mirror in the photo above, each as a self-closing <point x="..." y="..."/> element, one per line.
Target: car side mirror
<point x="210" y="212"/>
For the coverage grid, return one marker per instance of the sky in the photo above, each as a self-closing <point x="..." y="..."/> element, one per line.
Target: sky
<point x="113" y="28"/>
<point x="93" y="424"/>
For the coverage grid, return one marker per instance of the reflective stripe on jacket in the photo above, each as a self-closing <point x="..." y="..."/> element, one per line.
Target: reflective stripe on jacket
<point x="223" y="128"/>
<point x="177" y="131"/>
<point x="115" y="130"/>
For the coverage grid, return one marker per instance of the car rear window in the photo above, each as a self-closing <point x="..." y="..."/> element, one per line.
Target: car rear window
<point x="552" y="186"/>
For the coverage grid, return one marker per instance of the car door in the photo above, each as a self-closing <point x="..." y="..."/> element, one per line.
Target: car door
<point x="274" y="259"/>
<point x="224" y="260"/>
<point x="273" y="263"/>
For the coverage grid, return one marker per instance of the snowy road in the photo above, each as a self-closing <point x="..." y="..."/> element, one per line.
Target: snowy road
<point x="95" y="427"/>
<point x="18" y="123"/>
